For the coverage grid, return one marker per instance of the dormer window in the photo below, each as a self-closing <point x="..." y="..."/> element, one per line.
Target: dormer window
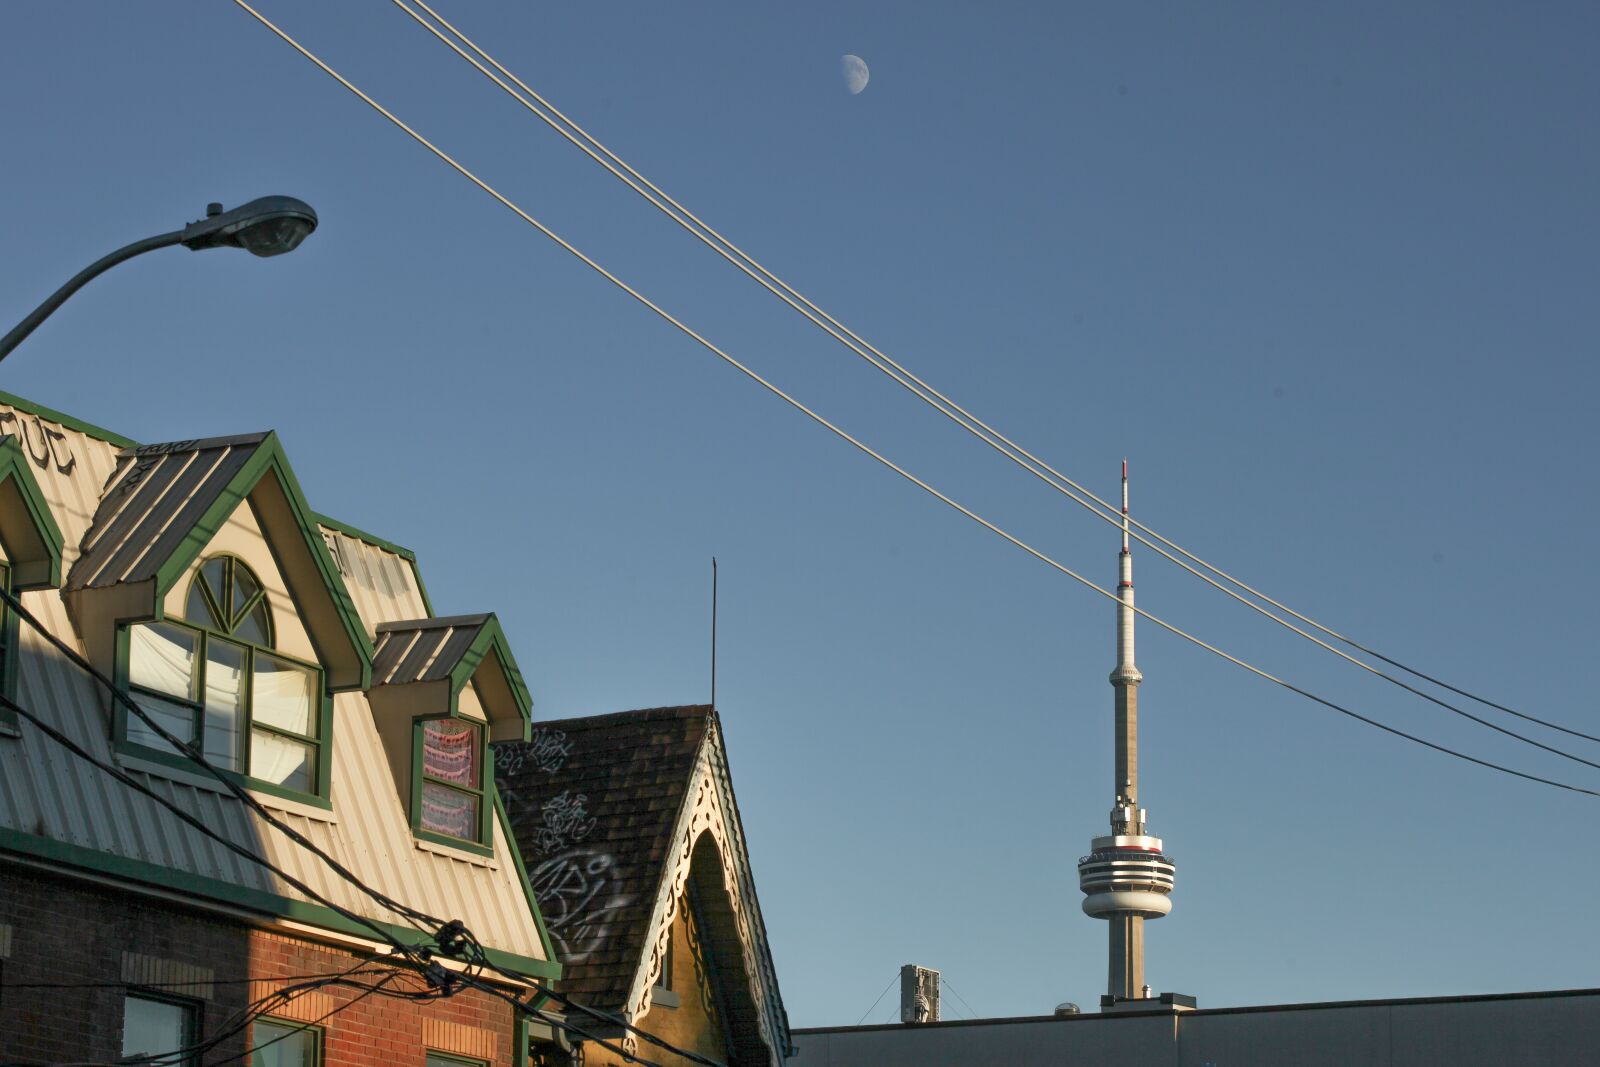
<point x="449" y="786"/>
<point x="215" y="680"/>
<point x="443" y="689"/>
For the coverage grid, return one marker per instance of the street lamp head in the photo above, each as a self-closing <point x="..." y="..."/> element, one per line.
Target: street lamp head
<point x="269" y="226"/>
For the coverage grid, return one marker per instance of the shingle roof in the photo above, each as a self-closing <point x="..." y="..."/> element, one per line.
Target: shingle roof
<point x="153" y="499"/>
<point x="592" y="803"/>
<point x="423" y="650"/>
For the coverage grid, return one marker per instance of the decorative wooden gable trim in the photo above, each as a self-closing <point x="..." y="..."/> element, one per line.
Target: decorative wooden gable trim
<point x="710" y="813"/>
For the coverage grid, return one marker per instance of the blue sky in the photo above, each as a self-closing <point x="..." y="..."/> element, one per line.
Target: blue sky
<point x="1325" y="275"/>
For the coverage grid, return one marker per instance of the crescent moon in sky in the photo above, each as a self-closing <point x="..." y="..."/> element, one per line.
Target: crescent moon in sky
<point x="855" y="73"/>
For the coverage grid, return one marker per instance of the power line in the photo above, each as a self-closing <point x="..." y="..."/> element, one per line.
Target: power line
<point x="4" y="985"/>
<point x="319" y="1020"/>
<point x="240" y="1020"/>
<point x="15" y="604"/>
<point x="116" y="772"/>
<point x="855" y="442"/>
<point x="693" y="224"/>
<point x="196" y="757"/>
<point x="418" y="964"/>
<point x="473" y="952"/>
<point x="447" y="936"/>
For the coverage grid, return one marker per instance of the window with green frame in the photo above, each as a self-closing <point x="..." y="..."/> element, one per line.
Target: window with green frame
<point x="159" y="1027"/>
<point x="280" y="1043"/>
<point x="214" y="680"/>
<point x="449" y="1059"/>
<point x="450" y="781"/>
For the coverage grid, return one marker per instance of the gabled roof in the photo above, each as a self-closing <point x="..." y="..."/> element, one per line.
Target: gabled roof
<point x="609" y="811"/>
<point x="450" y="650"/>
<point x="164" y="503"/>
<point x="28" y="531"/>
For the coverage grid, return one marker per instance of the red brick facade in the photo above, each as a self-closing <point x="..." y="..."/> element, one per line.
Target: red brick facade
<point x="66" y="931"/>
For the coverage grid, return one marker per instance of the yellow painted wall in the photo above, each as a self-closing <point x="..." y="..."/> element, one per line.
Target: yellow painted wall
<point x="694" y="1024"/>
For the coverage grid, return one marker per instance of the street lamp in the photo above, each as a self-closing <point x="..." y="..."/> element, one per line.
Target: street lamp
<point x="269" y="226"/>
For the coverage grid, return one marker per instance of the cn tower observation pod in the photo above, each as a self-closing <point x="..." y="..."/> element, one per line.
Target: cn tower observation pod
<point x="1126" y="874"/>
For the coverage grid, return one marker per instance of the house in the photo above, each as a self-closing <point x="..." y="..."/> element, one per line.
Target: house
<point x="631" y="833"/>
<point x="348" y="733"/>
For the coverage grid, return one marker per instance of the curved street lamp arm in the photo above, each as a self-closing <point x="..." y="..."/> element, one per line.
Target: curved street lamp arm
<point x="79" y="280"/>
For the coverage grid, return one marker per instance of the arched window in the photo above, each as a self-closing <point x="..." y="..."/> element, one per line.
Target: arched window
<point x="215" y="680"/>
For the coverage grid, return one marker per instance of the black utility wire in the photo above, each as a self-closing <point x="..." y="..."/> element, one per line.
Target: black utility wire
<point x="232" y="846"/>
<point x="416" y="956"/>
<point x="189" y="751"/>
<point x="176" y="985"/>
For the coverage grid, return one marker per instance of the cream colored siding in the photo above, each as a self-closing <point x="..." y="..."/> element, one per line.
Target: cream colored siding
<point x="241" y="536"/>
<point x="382" y="584"/>
<point x="45" y="791"/>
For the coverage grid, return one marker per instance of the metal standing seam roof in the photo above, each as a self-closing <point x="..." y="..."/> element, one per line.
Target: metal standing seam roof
<point x="156" y="495"/>
<point x="423" y="650"/>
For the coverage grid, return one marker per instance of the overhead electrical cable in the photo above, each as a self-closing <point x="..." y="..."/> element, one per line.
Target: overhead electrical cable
<point x="450" y="937"/>
<point x="239" y="1021"/>
<point x="420" y="966"/>
<point x="412" y="915"/>
<point x="475" y="953"/>
<point x="191" y="821"/>
<point x="185" y="985"/>
<point x="855" y="442"/>
<point x="1108" y="512"/>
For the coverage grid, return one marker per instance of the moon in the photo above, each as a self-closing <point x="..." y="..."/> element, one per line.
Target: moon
<point x="855" y="73"/>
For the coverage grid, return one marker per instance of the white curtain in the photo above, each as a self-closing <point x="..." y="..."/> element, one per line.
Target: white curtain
<point x="162" y="658"/>
<point x="277" y="759"/>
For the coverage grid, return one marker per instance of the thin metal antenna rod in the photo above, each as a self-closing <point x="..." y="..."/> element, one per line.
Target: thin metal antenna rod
<point x="713" y="633"/>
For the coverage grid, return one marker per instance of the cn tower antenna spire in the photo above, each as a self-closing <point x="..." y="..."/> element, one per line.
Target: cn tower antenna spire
<point x="1126" y="878"/>
<point x="1124" y="507"/>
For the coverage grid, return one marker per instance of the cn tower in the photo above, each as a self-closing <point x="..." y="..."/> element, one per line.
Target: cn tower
<point x="1126" y="878"/>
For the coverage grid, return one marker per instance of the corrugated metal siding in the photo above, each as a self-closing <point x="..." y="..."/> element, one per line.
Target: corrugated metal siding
<point x="46" y="791"/>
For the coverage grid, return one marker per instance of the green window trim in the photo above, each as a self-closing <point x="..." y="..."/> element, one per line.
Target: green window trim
<point x="483" y="793"/>
<point x="293" y="1026"/>
<point x="433" y="1056"/>
<point x="191" y="1008"/>
<point x="250" y="613"/>
<point x="8" y="654"/>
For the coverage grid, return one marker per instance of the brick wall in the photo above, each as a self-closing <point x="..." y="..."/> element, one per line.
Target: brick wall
<point x="64" y="931"/>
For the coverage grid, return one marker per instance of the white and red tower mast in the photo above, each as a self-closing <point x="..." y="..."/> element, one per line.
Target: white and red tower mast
<point x="1126" y="878"/>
